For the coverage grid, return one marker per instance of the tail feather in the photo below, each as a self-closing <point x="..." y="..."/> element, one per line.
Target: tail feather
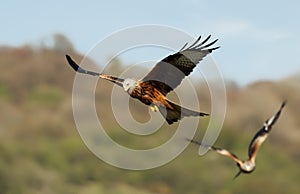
<point x="178" y="112"/>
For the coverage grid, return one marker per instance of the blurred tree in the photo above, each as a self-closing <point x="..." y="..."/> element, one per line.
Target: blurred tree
<point x="62" y="43"/>
<point x="115" y="66"/>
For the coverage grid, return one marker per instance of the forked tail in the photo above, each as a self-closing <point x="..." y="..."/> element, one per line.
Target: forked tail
<point x="178" y="112"/>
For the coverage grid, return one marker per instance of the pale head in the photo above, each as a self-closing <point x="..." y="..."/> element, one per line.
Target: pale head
<point x="247" y="166"/>
<point x="129" y="85"/>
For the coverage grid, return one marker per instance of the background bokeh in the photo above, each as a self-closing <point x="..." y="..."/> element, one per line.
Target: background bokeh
<point x="41" y="150"/>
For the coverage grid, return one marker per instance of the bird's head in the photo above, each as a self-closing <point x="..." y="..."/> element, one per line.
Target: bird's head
<point x="247" y="166"/>
<point x="129" y="85"/>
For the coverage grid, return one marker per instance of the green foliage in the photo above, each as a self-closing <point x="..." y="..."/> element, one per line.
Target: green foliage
<point x="5" y="93"/>
<point x="45" y="95"/>
<point x="41" y="151"/>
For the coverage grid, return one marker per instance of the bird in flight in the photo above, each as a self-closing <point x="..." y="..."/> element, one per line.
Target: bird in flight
<point x="248" y="165"/>
<point x="165" y="76"/>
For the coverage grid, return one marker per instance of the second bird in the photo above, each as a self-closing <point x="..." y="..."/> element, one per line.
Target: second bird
<point x="248" y="166"/>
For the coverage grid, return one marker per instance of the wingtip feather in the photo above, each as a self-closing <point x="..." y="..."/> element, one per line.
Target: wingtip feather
<point x="72" y="63"/>
<point x="212" y="49"/>
<point x="283" y="104"/>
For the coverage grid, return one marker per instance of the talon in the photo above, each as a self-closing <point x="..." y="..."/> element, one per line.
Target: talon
<point x="154" y="108"/>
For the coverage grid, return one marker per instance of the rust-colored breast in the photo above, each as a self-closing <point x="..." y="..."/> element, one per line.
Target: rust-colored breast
<point x="148" y="94"/>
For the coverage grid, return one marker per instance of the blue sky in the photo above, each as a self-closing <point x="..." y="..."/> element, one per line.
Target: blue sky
<point x="259" y="39"/>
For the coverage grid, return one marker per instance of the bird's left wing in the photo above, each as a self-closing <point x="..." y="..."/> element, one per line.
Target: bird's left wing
<point x="169" y="72"/>
<point x="263" y="133"/>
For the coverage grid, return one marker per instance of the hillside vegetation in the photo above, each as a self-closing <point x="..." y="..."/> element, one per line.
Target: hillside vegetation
<point x="42" y="152"/>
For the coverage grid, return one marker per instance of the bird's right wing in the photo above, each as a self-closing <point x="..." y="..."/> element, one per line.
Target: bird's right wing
<point x="227" y="153"/>
<point x="78" y="69"/>
<point x="221" y="151"/>
<point x="263" y="133"/>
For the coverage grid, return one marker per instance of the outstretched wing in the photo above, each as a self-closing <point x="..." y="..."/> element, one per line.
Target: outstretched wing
<point x="76" y="67"/>
<point x="227" y="153"/>
<point x="262" y="134"/>
<point x="169" y="72"/>
<point x="221" y="151"/>
<point x="73" y="64"/>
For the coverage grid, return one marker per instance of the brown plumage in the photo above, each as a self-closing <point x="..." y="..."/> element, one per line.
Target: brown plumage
<point x="162" y="79"/>
<point x="248" y="165"/>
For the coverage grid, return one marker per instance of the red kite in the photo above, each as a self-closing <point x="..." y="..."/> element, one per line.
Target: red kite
<point x="162" y="79"/>
<point x="248" y="166"/>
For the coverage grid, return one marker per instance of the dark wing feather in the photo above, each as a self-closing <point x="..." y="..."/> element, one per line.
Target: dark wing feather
<point x="79" y="69"/>
<point x="262" y="134"/>
<point x="169" y="72"/>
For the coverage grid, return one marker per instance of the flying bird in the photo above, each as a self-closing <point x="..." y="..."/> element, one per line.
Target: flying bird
<point x="248" y="165"/>
<point x="165" y="76"/>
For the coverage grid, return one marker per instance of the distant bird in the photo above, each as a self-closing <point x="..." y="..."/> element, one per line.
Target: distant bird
<point x="248" y="166"/>
<point x="162" y="79"/>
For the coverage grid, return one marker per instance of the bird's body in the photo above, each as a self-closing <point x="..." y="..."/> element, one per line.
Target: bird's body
<point x="148" y="95"/>
<point x="162" y="79"/>
<point x="248" y="166"/>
